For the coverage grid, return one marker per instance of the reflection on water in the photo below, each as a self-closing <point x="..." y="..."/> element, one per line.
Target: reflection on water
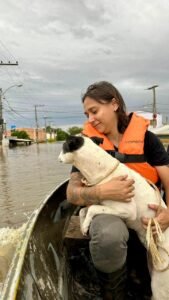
<point x="27" y="175"/>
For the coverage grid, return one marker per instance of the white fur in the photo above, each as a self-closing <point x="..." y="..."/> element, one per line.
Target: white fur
<point x="96" y="166"/>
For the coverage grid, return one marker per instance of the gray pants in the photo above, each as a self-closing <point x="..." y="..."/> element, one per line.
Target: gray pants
<point x="108" y="243"/>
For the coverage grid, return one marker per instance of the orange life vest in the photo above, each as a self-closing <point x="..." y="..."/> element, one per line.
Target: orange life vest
<point x="132" y="143"/>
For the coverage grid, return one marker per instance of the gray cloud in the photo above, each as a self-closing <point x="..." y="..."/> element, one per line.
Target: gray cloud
<point x="63" y="46"/>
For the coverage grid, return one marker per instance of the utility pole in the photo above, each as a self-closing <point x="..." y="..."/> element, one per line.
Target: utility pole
<point x="154" y="105"/>
<point x="36" y="122"/>
<point x="1" y="118"/>
<point x="1" y="109"/>
<point x="45" y="118"/>
<point x="1" y="94"/>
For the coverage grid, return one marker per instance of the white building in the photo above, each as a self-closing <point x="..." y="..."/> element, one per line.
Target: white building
<point x="162" y="131"/>
<point x="149" y="116"/>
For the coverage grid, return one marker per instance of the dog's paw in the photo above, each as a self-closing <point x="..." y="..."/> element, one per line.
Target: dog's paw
<point x="84" y="230"/>
<point x="85" y="182"/>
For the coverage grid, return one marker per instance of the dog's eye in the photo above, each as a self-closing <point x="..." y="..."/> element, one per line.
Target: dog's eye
<point x="66" y="148"/>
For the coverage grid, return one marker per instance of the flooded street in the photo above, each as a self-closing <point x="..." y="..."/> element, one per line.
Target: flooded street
<point x="27" y="175"/>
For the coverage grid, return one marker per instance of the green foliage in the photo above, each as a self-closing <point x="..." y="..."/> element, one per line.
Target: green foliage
<point x="20" y="134"/>
<point x="51" y="140"/>
<point x="48" y="129"/>
<point x="74" y="130"/>
<point x="61" y="134"/>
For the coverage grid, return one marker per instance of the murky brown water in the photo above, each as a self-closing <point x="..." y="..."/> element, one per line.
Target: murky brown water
<point x="27" y="175"/>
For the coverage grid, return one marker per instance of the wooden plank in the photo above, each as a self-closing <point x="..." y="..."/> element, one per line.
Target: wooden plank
<point x="73" y="231"/>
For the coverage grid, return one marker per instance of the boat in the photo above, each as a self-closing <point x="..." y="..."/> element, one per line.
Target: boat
<point x="46" y="263"/>
<point x="52" y="260"/>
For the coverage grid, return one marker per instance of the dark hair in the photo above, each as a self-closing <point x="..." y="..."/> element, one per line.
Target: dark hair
<point x="104" y="92"/>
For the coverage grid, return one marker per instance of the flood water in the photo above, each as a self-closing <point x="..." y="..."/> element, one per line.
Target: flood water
<point x="27" y="175"/>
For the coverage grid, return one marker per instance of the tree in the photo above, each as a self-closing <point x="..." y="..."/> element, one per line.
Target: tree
<point x="48" y="129"/>
<point x="74" y="130"/>
<point x="20" y="134"/>
<point x="61" y="134"/>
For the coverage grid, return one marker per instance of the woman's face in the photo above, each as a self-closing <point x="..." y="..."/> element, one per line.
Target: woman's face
<point x="101" y="116"/>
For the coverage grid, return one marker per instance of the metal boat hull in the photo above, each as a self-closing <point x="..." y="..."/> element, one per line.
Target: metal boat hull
<point x="38" y="269"/>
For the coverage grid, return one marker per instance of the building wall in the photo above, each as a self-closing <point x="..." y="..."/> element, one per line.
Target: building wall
<point x="32" y="133"/>
<point x="51" y="136"/>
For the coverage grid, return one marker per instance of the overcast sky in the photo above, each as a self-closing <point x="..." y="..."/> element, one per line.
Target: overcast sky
<point x="62" y="46"/>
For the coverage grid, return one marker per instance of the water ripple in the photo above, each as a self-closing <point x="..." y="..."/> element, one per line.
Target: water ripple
<point x="27" y="175"/>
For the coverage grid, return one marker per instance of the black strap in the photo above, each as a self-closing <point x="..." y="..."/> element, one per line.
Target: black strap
<point x="128" y="158"/>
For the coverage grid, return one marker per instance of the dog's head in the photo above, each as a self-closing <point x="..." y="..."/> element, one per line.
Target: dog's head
<point x="71" y="144"/>
<point x="74" y="143"/>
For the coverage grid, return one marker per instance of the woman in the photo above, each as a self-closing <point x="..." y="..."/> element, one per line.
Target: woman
<point x="142" y="151"/>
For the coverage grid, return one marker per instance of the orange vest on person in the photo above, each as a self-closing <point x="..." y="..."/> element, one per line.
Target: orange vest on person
<point x="132" y="143"/>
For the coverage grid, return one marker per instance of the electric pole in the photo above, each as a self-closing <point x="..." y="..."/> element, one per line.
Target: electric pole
<point x="1" y="94"/>
<point x="1" y="118"/>
<point x="45" y="118"/>
<point x="154" y="105"/>
<point x="1" y="109"/>
<point x="36" y="122"/>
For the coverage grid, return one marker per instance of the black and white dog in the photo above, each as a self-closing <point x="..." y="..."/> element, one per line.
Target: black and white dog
<point x="97" y="167"/>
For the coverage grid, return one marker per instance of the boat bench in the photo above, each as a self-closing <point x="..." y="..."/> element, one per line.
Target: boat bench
<point x="73" y="238"/>
<point x="73" y="230"/>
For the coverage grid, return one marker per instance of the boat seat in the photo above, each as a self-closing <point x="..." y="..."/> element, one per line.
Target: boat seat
<point x="73" y="238"/>
<point x="73" y="230"/>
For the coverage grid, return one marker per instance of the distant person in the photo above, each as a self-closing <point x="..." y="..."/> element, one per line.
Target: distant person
<point x="113" y="247"/>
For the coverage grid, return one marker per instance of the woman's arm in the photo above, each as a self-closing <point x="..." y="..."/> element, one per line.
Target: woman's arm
<point x="118" y="189"/>
<point x="163" y="172"/>
<point x="158" y="157"/>
<point x="162" y="213"/>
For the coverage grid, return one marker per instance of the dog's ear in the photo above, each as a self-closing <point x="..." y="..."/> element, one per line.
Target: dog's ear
<point x="97" y="140"/>
<point x="73" y="143"/>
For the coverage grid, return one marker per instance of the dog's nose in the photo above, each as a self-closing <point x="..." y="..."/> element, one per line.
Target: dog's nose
<point x="59" y="158"/>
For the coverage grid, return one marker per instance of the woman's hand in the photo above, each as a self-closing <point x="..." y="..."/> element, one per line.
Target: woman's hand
<point x="118" y="189"/>
<point x="162" y="217"/>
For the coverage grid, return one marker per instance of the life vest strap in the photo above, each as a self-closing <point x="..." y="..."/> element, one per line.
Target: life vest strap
<point x="128" y="158"/>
